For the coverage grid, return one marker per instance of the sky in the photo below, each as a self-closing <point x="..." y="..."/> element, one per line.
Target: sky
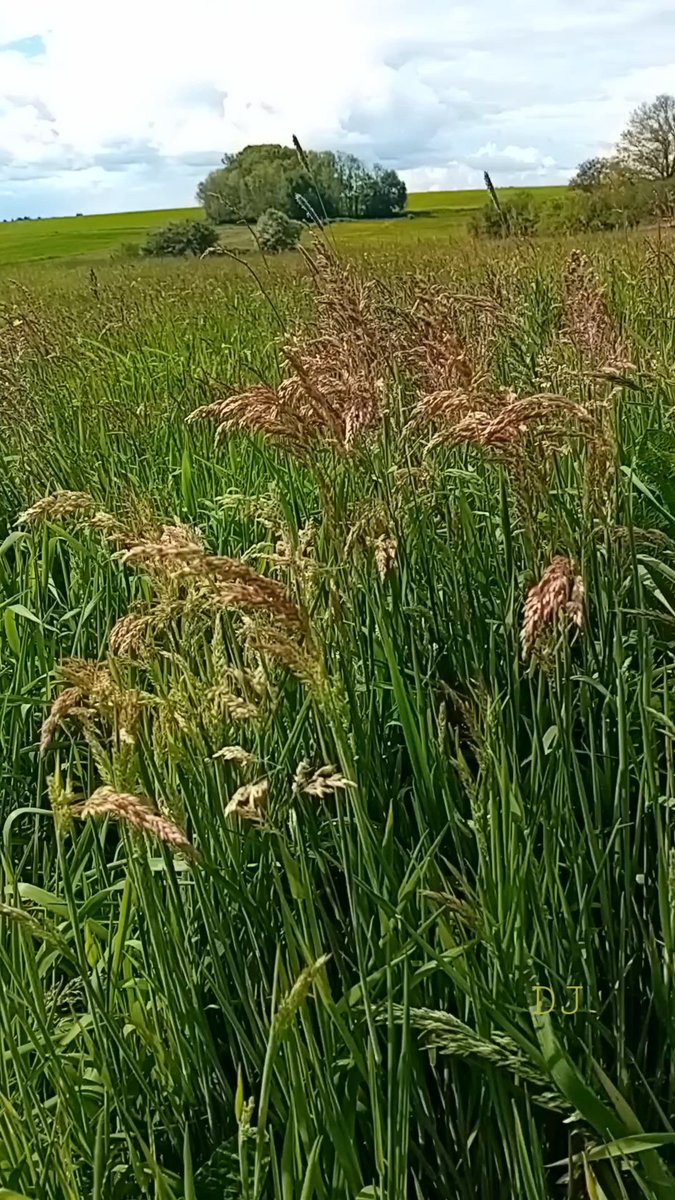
<point x="128" y="105"/>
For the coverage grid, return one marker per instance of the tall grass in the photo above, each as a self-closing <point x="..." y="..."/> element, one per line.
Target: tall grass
<point x="340" y="827"/>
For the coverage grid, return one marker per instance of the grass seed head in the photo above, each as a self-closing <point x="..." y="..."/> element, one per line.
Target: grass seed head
<point x="559" y="594"/>
<point x="137" y="814"/>
<point x="249" y="802"/>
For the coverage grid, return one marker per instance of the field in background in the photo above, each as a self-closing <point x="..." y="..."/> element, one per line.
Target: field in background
<point x="376" y="817"/>
<point x="434" y="215"/>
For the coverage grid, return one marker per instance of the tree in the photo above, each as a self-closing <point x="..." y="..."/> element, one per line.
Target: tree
<point x="591" y="173"/>
<point x="647" y="144"/>
<point x="275" y="231"/>
<point x="181" y="238"/>
<point x="299" y="184"/>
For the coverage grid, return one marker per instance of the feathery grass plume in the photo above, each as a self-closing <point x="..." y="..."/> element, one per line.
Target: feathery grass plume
<point x="386" y="551"/>
<point x="128" y="636"/>
<point x="446" y="1033"/>
<point x="235" y="754"/>
<point x="559" y="594"/>
<point x="552" y="417"/>
<point x="335" y="389"/>
<point x="249" y="801"/>
<point x="432" y="347"/>
<point x="69" y="699"/>
<point x="443" y="409"/>
<point x="587" y="322"/>
<point x="297" y="996"/>
<point x="232" y="581"/>
<point x="323" y="782"/>
<point x="268" y="640"/>
<point x="57" y="505"/>
<point x="137" y="814"/>
<point x="104" y="695"/>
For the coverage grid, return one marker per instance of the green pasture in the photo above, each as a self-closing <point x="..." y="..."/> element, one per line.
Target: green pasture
<point x="430" y="216"/>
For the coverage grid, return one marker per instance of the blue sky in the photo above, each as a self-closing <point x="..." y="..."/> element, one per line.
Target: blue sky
<point x="125" y="107"/>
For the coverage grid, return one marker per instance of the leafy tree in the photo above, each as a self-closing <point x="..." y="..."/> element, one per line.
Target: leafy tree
<point x="275" y="231"/>
<point x="298" y="184"/>
<point x="590" y="174"/>
<point x="647" y="144"/>
<point x="181" y="238"/>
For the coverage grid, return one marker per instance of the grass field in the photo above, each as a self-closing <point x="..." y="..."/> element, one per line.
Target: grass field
<point x="335" y="722"/>
<point x="438" y="214"/>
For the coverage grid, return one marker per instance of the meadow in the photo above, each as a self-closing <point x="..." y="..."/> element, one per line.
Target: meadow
<point x="337" y="606"/>
<point x="431" y="216"/>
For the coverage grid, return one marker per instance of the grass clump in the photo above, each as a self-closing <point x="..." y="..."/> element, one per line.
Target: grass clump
<point x="336" y="674"/>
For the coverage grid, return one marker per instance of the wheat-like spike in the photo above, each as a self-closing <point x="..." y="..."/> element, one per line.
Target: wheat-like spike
<point x="297" y="996"/>
<point x="446" y="1033"/>
<point x="64" y="703"/>
<point x="249" y="801"/>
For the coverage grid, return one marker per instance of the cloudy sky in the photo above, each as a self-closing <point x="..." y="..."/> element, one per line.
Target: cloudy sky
<point x="127" y="105"/>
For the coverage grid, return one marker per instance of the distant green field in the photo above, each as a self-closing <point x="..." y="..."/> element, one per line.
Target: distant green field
<point x="431" y="215"/>
<point x="66" y="237"/>
<point x="472" y="198"/>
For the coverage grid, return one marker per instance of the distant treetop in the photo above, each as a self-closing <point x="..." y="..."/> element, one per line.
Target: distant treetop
<point x="646" y="149"/>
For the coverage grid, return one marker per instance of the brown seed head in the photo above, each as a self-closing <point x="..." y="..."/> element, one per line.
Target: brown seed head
<point x="558" y="595"/>
<point x="249" y="802"/>
<point x="138" y="815"/>
<point x="57" y="505"/>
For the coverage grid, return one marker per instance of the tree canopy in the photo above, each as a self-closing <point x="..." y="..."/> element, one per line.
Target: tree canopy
<point x="322" y="182"/>
<point x="648" y="141"/>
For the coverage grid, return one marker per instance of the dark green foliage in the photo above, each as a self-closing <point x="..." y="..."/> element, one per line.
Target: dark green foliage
<point x="180" y="239"/>
<point x="298" y="183"/>
<point x="516" y="217"/>
<point x="602" y="172"/>
<point x="275" y="232"/>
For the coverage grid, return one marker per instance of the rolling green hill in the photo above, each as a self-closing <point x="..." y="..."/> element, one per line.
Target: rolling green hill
<point x="430" y="215"/>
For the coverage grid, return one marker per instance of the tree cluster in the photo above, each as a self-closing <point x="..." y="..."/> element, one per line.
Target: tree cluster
<point x="646" y="150"/>
<point x="276" y="177"/>
<point x="632" y="186"/>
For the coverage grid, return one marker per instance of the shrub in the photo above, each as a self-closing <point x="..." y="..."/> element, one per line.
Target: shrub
<point x="516" y="217"/>
<point x="181" y="238"/>
<point x="125" y="251"/>
<point x="275" y="231"/>
<point x="602" y="208"/>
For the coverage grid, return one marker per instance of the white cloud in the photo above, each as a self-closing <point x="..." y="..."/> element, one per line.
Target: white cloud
<point x="146" y="99"/>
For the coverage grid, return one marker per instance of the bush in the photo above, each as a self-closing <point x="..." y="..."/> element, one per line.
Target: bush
<point x="126" y="251"/>
<point x="181" y="238"/>
<point x="275" y="231"/>
<point x="516" y="217"/>
<point x="602" y="208"/>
